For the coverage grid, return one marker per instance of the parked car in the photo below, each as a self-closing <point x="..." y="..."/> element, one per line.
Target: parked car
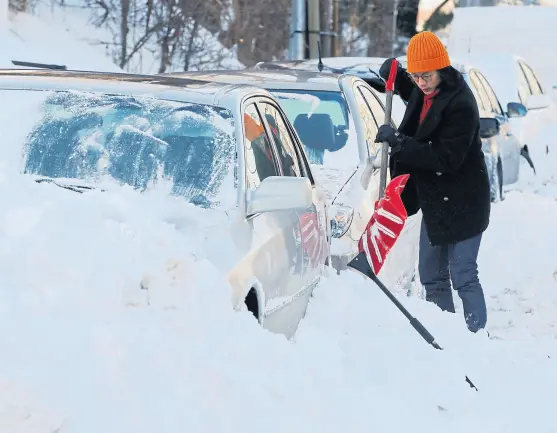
<point x="336" y="117"/>
<point x="503" y="150"/>
<point x="229" y="149"/>
<point x="515" y="81"/>
<point x="366" y="68"/>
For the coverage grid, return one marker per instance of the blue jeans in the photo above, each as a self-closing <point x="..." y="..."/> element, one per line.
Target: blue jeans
<point x="441" y="264"/>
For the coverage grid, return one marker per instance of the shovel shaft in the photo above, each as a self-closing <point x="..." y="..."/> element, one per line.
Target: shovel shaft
<point x="385" y="147"/>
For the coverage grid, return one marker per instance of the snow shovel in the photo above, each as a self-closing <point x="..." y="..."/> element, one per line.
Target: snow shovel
<point x="381" y="233"/>
<point x="389" y="90"/>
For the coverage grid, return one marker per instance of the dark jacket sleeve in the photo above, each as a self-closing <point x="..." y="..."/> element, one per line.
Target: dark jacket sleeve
<point x="404" y="86"/>
<point x="403" y="83"/>
<point x="449" y="150"/>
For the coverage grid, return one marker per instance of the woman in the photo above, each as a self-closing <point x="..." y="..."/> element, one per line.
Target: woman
<point x="438" y="144"/>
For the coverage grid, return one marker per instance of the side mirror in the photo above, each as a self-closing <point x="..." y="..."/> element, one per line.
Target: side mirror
<point x="536" y="102"/>
<point x="489" y="127"/>
<point x="375" y="160"/>
<point x="373" y="164"/>
<point x="277" y="193"/>
<point x="516" y="109"/>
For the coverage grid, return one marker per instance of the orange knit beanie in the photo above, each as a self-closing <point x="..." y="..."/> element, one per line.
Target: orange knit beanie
<point x="426" y="53"/>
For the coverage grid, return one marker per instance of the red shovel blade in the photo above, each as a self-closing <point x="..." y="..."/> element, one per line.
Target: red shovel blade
<point x="385" y="225"/>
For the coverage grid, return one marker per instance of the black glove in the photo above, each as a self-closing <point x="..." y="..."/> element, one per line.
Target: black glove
<point x="390" y="135"/>
<point x="385" y="68"/>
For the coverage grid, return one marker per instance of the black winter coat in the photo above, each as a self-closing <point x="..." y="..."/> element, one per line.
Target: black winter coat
<point x="448" y="175"/>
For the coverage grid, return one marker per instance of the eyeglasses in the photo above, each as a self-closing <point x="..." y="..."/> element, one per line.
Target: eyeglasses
<point x="427" y="76"/>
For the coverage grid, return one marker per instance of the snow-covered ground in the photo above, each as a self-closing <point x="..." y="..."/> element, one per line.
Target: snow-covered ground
<point x="113" y="321"/>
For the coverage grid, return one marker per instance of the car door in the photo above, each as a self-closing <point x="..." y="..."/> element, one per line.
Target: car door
<point x="313" y="223"/>
<point x="533" y="83"/>
<point x="363" y="201"/>
<point x="491" y="145"/>
<point x="509" y="144"/>
<point x="278" y="265"/>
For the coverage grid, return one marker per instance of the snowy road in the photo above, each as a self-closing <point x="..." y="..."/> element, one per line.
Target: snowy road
<point x="85" y="349"/>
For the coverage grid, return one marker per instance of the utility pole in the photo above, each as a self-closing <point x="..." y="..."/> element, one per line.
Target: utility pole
<point x="297" y="30"/>
<point x="394" y="41"/>
<point x="314" y="28"/>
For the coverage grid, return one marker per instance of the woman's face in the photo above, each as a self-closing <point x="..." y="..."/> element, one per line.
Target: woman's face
<point x="427" y="81"/>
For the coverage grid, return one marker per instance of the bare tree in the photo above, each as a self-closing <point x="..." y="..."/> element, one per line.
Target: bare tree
<point x="259" y="29"/>
<point x="380" y="28"/>
<point x="355" y="16"/>
<point x="130" y="23"/>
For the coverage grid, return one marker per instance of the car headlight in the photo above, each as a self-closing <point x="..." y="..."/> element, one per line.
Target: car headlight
<point x="341" y="218"/>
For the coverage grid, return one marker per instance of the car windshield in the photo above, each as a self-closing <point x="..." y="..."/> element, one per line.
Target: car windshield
<point x="323" y="123"/>
<point x="135" y="141"/>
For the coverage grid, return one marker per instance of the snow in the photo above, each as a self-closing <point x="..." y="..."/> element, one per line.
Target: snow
<point x="102" y="354"/>
<point x="527" y="31"/>
<point x="115" y="318"/>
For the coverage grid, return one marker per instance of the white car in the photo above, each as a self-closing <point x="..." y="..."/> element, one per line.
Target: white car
<point x="515" y="81"/>
<point x="228" y="149"/>
<point x="336" y="118"/>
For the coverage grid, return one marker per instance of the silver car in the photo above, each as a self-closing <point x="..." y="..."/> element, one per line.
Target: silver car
<point x="336" y="118"/>
<point x="228" y="149"/>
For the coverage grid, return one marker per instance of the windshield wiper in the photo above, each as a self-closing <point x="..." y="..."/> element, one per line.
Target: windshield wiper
<point x="75" y="188"/>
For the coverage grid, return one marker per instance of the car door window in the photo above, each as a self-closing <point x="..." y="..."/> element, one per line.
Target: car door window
<point x="522" y="85"/>
<point x="260" y="162"/>
<point x="472" y="85"/>
<point x="376" y="108"/>
<point x="484" y="100"/>
<point x="284" y="143"/>
<point x="494" y="102"/>
<point x="533" y="82"/>
<point x="370" y="126"/>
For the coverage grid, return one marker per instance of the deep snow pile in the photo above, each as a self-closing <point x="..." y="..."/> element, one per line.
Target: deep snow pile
<point x="527" y="31"/>
<point x="113" y="321"/>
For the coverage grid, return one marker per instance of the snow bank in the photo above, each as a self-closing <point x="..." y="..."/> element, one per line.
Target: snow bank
<point x="112" y="320"/>
<point x="528" y="31"/>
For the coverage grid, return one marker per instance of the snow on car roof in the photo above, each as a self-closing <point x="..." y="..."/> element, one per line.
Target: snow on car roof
<point x="160" y="86"/>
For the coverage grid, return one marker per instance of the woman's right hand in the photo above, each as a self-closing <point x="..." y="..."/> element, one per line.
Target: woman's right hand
<point x="385" y="68"/>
